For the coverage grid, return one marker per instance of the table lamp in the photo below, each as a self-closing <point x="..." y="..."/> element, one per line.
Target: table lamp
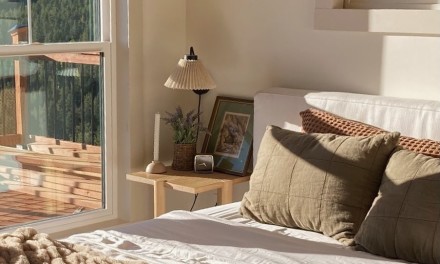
<point x="190" y="74"/>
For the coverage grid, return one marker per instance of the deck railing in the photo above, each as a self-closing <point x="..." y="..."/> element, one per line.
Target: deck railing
<point x="46" y="96"/>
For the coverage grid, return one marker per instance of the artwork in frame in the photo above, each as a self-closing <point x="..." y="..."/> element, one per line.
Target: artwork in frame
<point x="231" y="126"/>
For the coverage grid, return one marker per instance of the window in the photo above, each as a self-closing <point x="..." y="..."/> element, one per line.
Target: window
<point x="54" y="55"/>
<point x="392" y="4"/>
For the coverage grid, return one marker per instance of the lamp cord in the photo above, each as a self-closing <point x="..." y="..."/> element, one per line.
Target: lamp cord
<point x="194" y="202"/>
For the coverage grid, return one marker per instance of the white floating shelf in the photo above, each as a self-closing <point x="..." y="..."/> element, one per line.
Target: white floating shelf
<point x="392" y="21"/>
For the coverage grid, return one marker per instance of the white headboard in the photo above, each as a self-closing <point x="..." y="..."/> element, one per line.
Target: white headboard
<point x="281" y="107"/>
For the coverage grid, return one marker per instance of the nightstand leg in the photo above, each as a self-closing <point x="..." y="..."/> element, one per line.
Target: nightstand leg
<point x="159" y="198"/>
<point x="224" y="194"/>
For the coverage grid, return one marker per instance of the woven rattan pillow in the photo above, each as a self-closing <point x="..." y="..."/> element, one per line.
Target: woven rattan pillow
<point x="404" y="221"/>
<point x="320" y="182"/>
<point x="318" y="121"/>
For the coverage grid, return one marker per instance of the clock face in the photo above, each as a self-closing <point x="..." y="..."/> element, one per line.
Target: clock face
<point x="203" y="163"/>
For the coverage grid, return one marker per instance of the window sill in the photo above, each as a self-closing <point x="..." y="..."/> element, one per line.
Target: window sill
<point x="389" y="21"/>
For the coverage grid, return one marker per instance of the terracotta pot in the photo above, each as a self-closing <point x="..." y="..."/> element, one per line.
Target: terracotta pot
<point x="184" y="157"/>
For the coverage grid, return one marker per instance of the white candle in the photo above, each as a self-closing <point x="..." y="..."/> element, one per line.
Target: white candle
<point x="156" y="136"/>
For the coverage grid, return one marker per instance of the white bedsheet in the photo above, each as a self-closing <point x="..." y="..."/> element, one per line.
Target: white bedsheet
<point x="218" y="235"/>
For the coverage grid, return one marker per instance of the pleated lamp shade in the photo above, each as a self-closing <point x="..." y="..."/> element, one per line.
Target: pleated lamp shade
<point x="190" y="74"/>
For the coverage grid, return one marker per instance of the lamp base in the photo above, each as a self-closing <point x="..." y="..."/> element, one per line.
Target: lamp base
<point x="156" y="167"/>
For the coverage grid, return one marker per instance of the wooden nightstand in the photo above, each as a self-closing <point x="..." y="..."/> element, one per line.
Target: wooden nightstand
<point x="187" y="181"/>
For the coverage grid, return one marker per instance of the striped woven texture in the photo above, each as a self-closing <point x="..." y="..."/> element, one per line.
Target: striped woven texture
<point x="318" y="121"/>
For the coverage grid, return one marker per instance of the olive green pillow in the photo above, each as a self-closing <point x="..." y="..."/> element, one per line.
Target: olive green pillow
<point x="404" y="221"/>
<point x="320" y="182"/>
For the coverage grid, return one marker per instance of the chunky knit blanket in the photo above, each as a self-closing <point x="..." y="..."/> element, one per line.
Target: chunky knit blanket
<point x="27" y="246"/>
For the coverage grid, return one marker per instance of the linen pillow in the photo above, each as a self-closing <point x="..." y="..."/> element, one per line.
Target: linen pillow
<point x="320" y="182"/>
<point x="318" y="121"/>
<point x="404" y="221"/>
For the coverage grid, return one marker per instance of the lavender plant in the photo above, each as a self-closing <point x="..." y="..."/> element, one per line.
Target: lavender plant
<point x="185" y="126"/>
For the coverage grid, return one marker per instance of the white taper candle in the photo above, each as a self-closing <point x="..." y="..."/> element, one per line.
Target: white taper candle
<point x="156" y="136"/>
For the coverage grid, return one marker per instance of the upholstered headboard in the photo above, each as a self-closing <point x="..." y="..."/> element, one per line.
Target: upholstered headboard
<point x="281" y="107"/>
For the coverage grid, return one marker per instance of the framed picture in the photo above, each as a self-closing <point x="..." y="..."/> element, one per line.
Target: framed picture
<point x="231" y="126"/>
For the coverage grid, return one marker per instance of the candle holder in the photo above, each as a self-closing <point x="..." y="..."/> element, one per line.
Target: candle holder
<point x="156" y="166"/>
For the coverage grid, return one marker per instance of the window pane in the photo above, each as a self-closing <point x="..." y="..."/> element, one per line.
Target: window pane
<point x="65" y="20"/>
<point x="50" y="136"/>
<point x="52" y="21"/>
<point x="13" y="16"/>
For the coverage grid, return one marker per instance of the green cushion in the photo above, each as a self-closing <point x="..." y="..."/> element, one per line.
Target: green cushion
<point x="320" y="182"/>
<point x="404" y="221"/>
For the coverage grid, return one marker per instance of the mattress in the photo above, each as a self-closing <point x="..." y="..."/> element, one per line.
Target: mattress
<point x="218" y="235"/>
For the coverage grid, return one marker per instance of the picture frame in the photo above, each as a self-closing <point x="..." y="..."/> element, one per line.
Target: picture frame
<point x="231" y="135"/>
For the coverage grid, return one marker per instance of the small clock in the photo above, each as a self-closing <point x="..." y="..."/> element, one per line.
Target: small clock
<point x="203" y="163"/>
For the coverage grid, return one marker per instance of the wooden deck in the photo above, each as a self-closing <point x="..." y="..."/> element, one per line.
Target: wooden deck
<point x="50" y="179"/>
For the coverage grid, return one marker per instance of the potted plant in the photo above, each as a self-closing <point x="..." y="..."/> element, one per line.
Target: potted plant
<point x="186" y="128"/>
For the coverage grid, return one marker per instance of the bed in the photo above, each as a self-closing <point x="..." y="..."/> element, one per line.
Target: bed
<point x="222" y="235"/>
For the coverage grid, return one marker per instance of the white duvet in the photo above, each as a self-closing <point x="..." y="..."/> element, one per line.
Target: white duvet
<point x="218" y="235"/>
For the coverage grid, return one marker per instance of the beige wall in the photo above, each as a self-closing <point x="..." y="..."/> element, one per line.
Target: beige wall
<point x="247" y="46"/>
<point x="157" y="39"/>
<point x="250" y="45"/>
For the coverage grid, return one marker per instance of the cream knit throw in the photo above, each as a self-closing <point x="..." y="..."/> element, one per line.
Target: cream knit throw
<point x="27" y="246"/>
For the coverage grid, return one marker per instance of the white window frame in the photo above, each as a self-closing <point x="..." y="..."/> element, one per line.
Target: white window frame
<point x="331" y="15"/>
<point x="108" y="29"/>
